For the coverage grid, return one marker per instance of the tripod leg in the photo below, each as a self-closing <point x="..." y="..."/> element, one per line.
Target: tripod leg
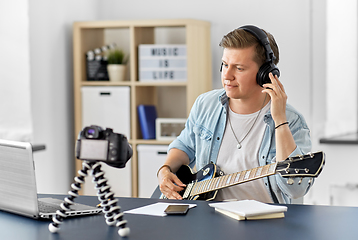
<point x="112" y="212"/>
<point x="68" y="201"/>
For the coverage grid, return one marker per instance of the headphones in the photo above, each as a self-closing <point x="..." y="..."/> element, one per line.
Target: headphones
<point x="262" y="76"/>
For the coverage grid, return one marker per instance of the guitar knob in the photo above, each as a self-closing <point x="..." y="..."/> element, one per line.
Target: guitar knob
<point x="290" y="181"/>
<point x="307" y="170"/>
<point x="300" y="181"/>
<point x="297" y="171"/>
<point x="310" y="181"/>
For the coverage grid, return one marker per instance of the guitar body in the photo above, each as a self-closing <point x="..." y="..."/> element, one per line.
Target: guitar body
<point x="186" y="176"/>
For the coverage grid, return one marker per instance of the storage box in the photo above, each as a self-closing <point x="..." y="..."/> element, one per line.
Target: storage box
<point x="169" y="128"/>
<point x="107" y="107"/>
<point x="150" y="159"/>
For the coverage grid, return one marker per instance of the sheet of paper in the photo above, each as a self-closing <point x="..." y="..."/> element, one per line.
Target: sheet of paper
<point x="156" y="209"/>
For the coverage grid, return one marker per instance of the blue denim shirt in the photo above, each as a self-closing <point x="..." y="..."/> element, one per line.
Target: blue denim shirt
<point x="204" y="130"/>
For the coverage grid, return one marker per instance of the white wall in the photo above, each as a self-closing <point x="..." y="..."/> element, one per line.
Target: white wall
<point x="341" y="71"/>
<point x="51" y="87"/>
<point x="341" y="160"/>
<point x="15" y="107"/>
<point x="298" y="26"/>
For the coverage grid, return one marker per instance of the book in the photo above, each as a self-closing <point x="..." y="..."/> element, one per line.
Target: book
<point x="238" y="217"/>
<point x="249" y="210"/>
<point x="147" y="115"/>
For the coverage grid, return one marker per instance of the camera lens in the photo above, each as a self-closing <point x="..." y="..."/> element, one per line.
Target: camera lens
<point x="90" y="133"/>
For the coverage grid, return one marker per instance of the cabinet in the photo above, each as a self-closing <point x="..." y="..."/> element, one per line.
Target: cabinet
<point x="172" y="99"/>
<point x="150" y="159"/>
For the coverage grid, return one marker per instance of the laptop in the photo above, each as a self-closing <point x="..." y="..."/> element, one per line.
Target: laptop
<point x="18" y="191"/>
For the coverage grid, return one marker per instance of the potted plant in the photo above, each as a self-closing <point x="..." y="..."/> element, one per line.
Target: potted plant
<point x="116" y="67"/>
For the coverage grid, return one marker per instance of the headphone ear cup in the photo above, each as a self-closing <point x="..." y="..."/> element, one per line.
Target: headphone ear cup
<point x="262" y="76"/>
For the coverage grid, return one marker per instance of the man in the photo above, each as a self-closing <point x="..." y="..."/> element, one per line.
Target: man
<point x="242" y="126"/>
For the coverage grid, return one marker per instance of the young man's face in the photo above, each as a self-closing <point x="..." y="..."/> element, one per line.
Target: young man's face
<point x="239" y="71"/>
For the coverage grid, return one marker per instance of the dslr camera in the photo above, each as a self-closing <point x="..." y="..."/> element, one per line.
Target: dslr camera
<point x="96" y="144"/>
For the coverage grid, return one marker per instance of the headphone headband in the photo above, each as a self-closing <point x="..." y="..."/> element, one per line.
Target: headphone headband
<point x="263" y="39"/>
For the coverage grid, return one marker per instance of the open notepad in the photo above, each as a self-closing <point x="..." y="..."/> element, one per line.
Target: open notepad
<point x="249" y="210"/>
<point x="155" y="209"/>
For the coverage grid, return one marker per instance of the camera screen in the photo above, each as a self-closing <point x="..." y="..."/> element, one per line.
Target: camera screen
<point x="94" y="149"/>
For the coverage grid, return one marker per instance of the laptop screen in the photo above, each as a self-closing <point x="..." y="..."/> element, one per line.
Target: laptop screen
<point x="18" y="191"/>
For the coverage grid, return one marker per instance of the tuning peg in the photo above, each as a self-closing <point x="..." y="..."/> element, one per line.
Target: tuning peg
<point x="297" y="170"/>
<point x="290" y="181"/>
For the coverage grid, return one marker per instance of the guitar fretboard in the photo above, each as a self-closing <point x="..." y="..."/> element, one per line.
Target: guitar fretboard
<point x="232" y="179"/>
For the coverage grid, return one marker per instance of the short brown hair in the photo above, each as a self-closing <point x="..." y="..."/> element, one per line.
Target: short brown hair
<point x="240" y="38"/>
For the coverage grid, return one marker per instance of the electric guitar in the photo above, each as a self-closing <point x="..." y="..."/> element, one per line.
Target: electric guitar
<point x="204" y="184"/>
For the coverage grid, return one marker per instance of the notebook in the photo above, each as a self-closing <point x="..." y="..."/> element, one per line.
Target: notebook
<point x="18" y="191"/>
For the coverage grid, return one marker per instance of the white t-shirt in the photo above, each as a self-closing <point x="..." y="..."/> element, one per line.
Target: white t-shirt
<point x="231" y="159"/>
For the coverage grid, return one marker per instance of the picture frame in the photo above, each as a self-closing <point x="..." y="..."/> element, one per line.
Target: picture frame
<point x="169" y="128"/>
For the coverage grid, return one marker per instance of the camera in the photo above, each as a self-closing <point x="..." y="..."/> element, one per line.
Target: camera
<point x="96" y="144"/>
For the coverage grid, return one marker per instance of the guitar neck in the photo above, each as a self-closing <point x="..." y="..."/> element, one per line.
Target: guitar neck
<point x="233" y="179"/>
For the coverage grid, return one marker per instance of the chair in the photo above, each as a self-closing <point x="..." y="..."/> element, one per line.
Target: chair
<point x="156" y="193"/>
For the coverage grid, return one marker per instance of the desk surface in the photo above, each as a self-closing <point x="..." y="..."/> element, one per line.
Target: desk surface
<point x="301" y="222"/>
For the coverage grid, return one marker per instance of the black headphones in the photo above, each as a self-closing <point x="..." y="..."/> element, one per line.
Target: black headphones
<point x="262" y="76"/>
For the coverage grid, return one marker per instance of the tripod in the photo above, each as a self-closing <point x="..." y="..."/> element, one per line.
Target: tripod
<point x="109" y="206"/>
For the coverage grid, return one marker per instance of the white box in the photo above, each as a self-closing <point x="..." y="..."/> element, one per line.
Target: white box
<point x="150" y="159"/>
<point x="168" y="128"/>
<point x="107" y="107"/>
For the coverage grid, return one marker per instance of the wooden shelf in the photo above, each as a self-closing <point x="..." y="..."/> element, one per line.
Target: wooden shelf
<point x="129" y="83"/>
<point x="350" y="138"/>
<point x="105" y="83"/>
<point x="172" y="99"/>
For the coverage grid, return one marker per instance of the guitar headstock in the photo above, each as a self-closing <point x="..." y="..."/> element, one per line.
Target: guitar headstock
<point x="308" y="165"/>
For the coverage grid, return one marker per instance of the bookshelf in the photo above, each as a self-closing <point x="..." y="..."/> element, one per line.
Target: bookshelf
<point x="172" y="99"/>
